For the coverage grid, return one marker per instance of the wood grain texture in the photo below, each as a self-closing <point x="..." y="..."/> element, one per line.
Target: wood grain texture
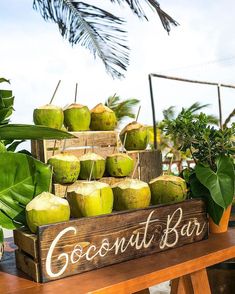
<point x="27" y="242"/>
<point x="124" y="234"/>
<point x="126" y="277"/>
<point x="150" y="164"/>
<point x="200" y="282"/>
<point x="182" y="285"/>
<point x="27" y="265"/>
<point x="60" y="190"/>
<point x="100" y="142"/>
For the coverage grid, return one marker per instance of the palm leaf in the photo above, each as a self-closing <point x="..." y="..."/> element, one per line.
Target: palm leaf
<point x="227" y="120"/>
<point x="96" y="29"/>
<point x="2" y="80"/>
<point x="137" y="8"/>
<point x="122" y="108"/>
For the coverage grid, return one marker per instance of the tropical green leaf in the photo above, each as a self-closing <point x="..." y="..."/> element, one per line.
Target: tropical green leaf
<point x="219" y="183"/>
<point x="22" y="178"/>
<point x="4" y="80"/>
<point x="23" y="132"/>
<point x="122" y="109"/>
<point x="5" y="93"/>
<point x="5" y="113"/>
<point x="197" y="190"/>
<point x="14" y="145"/>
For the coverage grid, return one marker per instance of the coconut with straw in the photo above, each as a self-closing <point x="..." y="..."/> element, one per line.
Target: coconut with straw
<point x="49" y="115"/>
<point x="77" y="117"/>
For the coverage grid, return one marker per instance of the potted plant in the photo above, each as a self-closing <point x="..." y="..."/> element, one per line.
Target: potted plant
<point x="22" y="176"/>
<point x="213" y="176"/>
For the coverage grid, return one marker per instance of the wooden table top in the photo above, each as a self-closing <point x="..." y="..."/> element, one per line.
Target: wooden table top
<point x="126" y="277"/>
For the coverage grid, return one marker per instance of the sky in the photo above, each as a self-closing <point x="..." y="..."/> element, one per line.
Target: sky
<point x="34" y="56"/>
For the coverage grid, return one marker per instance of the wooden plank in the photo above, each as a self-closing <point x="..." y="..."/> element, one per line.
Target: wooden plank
<point x="150" y="164"/>
<point x="182" y="285"/>
<point x="90" y="243"/>
<point x="27" y="265"/>
<point x="27" y="242"/>
<point x="103" y="151"/>
<point x="60" y="190"/>
<point x="200" y="282"/>
<point x="89" y="138"/>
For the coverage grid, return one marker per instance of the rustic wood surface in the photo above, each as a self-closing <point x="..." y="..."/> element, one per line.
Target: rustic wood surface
<point x="150" y="164"/>
<point x="100" y="142"/>
<point x="60" y="190"/>
<point x="26" y="240"/>
<point x="150" y="167"/>
<point x="127" y="277"/>
<point x="123" y="233"/>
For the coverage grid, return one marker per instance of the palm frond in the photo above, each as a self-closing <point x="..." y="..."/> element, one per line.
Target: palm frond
<point x="169" y="113"/>
<point x="94" y="28"/>
<point x="122" y="108"/>
<point x="112" y="101"/>
<point x="197" y="106"/>
<point x="136" y="7"/>
<point x="227" y="120"/>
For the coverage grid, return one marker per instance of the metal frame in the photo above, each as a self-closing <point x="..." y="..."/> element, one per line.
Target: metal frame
<point x="218" y="85"/>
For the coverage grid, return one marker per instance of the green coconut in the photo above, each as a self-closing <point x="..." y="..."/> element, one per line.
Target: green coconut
<point x="49" y="115"/>
<point x="2" y="147"/>
<point x="66" y="168"/>
<point x="135" y="136"/>
<point x="45" y="209"/>
<point x="94" y="162"/>
<point x="168" y="189"/>
<point x="102" y="118"/>
<point x="119" y="165"/>
<point x="131" y="194"/>
<point x="90" y="199"/>
<point x="77" y="117"/>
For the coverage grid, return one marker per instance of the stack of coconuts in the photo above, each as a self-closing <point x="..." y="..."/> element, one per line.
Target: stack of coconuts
<point x="89" y="197"/>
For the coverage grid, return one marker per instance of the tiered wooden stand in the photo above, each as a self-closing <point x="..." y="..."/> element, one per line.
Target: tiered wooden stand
<point x="79" y="245"/>
<point x="103" y="143"/>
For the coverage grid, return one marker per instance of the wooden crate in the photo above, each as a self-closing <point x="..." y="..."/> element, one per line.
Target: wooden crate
<point x="103" y="143"/>
<point x="64" y="249"/>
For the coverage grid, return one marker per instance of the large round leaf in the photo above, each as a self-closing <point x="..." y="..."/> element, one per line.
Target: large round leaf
<point x="21" y="178"/>
<point x="219" y="183"/>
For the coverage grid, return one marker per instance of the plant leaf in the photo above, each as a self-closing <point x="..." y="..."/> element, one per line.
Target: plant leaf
<point x="14" y="145"/>
<point x="219" y="183"/>
<point x="93" y="28"/>
<point x="136" y="7"/>
<point x="4" y="80"/>
<point x="23" y="132"/>
<point x="22" y="178"/>
<point x="197" y="190"/>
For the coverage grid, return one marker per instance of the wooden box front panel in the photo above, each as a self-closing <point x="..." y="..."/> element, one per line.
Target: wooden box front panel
<point x="84" y="244"/>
